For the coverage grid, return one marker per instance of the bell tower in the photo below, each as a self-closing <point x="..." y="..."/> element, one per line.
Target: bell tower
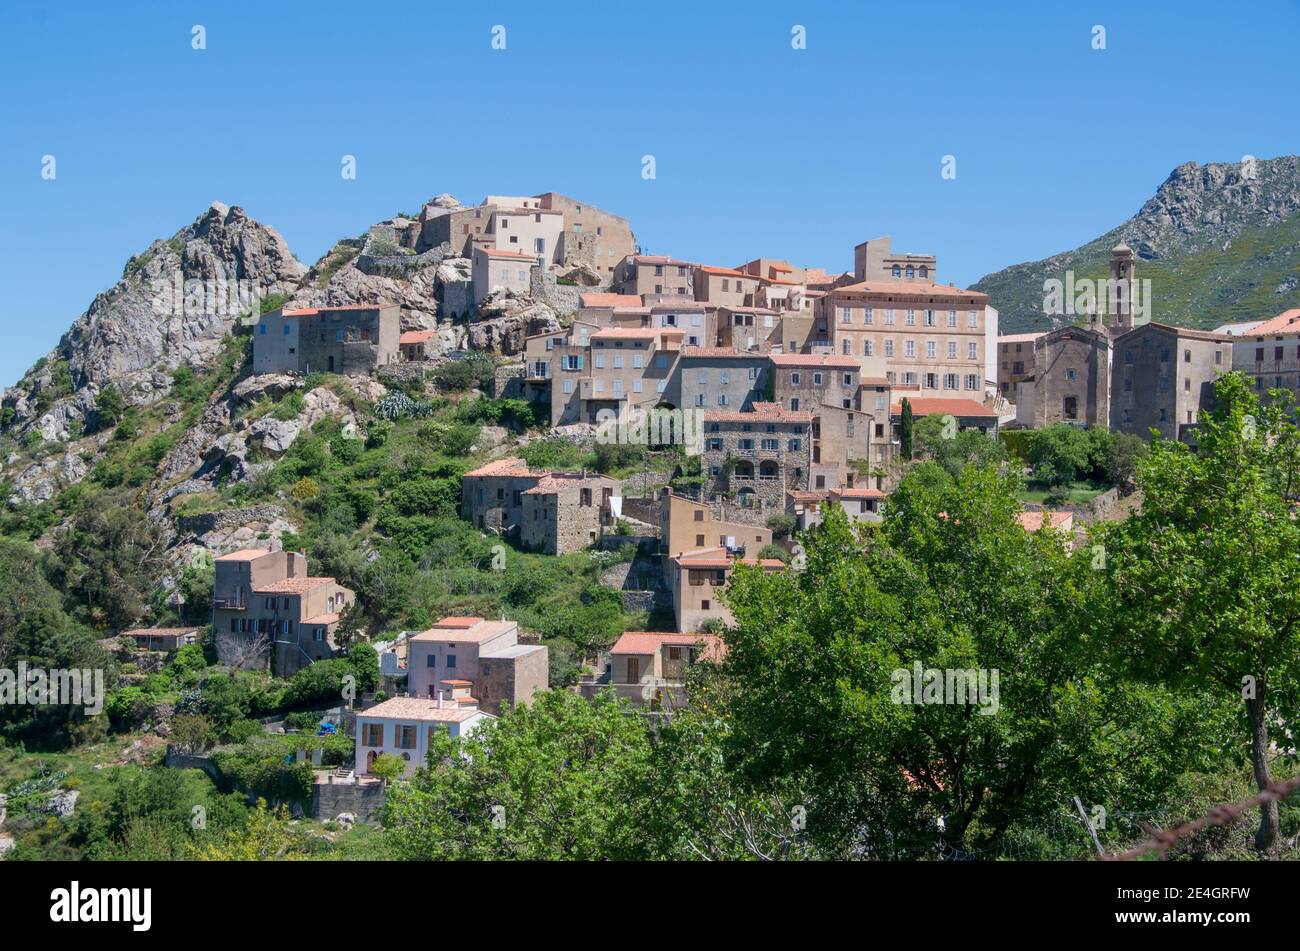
<point x="1119" y="293"/>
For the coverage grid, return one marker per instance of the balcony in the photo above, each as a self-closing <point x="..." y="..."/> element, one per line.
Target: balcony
<point x="236" y="603"/>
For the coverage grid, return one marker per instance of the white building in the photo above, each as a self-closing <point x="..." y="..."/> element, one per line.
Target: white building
<point x="405" y="726"/>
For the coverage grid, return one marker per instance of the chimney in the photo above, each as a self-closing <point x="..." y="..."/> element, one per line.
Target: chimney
<point x="439" y="698"/>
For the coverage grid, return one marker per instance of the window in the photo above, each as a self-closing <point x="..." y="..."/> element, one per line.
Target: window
<point x="952" y="350"/>
<point x="889" y="348"/>
<point x="794" y="379"/>
<point x="972" y="381"/>
<point x="846" y="316"/>
<point x="911" y="318"/>
<point x="1187" y="355"/>
<point x="909" y="348"/>
<point x="451" y="660"/>
<point x="1069" y="373"/>
<point x="952" y="318"/>
<point x="868" y="319"/>
<point x="373" y="735"/>
<point x="868" y="349"/>
<point x="817" y="379"/>
<point x="972" y="351"/>
<point x="973" y="319"/>
<point x="889" y="317"/>
<point x="405" y="737"/>
<point x="929" y="318"/>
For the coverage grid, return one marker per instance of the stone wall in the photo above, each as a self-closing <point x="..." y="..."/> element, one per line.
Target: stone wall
<point x="364" y="800"/>
<point x="202" y="524"/>
<point x="401" y="265"/>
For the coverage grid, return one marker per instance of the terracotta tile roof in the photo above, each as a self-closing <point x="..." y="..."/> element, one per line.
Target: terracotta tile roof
<point x="1033" y="521"/>
<point x="294" y="585"/>
<point x="859" y="492"/>
<point x="832" y="360"/>
<point x="762" y="412"/>
<point x="1286" y="322"/>
<point x="417" y="708"/>
<point x="244" y="554"/>
<point x="550" y="484"/>
<point x="1186" y="332"/>
<point x="458" y="621"/>
<point x="416" y="336"/>
<point x="322" y="619"/>
<point x="628" y="333"/>
<point x="503" y="253"/>
<point x="610" y="300"/>
<point x="475" y="633"/>
<point x="649" y="642"/>
<point x="910" y="289"/>
<point x="926" y="406"/>
<point x="813" y="495"/>
<point x="689" y="353"/>
<point x="509" y="466"/>
<point x="875" y="381"/>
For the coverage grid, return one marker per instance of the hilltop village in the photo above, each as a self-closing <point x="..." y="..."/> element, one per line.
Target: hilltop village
<point x="795" y="382"/>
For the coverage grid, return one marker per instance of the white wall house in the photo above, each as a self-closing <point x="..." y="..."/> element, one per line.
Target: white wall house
<point x="405" y="726"/>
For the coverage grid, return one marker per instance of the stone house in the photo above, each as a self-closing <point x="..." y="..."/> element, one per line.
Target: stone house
<point x="405" y="726"/>
<point x="552" y="512"/>
<point x="483" y="656"/>
<point x="916" y="333"/>
<point x="805" y="381"/>
<point x="1163" y="376"/>
<point x="688" y="525"/>
<point x="491" y="496"/>
<point x="725" y="287"/>
<point x="860" y="504"/>
<point x="853" y="445"/>
<point x="1268" y="353"/>
<point x="414" y="344"/>
<point x="352" y="339"/>
<point x="640" y="274"/>
<point x="648" y="668"/>
<point x="1015" y="354"/>
<point x="718" y="377"/>
<point x="756" y="456"/>
<point x="590" y="235"/>
<point x="163" y="638"/>
<point x="268" y="596"/>
<point x="1069" y="380"/>
<point x="567" y="511"/>
<point x="967" y="413"/>
<point x="494" y="269"/>
<point x="697" y="578"/>
<point x="875" y="260"/>
<point x="757" y="329"/>
<point x="619" y="369"/>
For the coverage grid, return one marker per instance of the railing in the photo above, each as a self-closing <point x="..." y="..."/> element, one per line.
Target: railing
<point x="237" y="603"/>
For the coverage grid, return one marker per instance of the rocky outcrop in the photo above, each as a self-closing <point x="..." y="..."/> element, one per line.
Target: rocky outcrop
<point x="173" y="307"/>
<point x="505" y="319"/>
<point x="1185" y="239"/>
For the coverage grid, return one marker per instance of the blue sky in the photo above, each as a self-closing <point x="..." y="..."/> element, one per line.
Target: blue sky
<point x="760" y="149"/>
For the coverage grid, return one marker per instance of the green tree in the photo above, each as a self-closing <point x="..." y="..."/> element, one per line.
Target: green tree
<point x="817" y="660"/>
<point x="1205" y="575"/>
<point x="388" y="767"/>
<point x="556" y="779"/>
<point x="109" y="406"/>
<point x="905" y="429"/>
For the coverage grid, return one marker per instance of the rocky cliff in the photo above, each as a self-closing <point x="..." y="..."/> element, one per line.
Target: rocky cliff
<point x="1219" y="242"/>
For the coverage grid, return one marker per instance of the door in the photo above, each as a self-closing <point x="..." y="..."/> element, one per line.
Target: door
<point x="331" y="364"/>
<point x="633" y="670"/>
<point x="1071" y="407"/>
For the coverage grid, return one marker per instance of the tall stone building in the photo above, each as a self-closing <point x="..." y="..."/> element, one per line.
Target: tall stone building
<point x="1164" y="376"/>
<point x="1070" y="381"/>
